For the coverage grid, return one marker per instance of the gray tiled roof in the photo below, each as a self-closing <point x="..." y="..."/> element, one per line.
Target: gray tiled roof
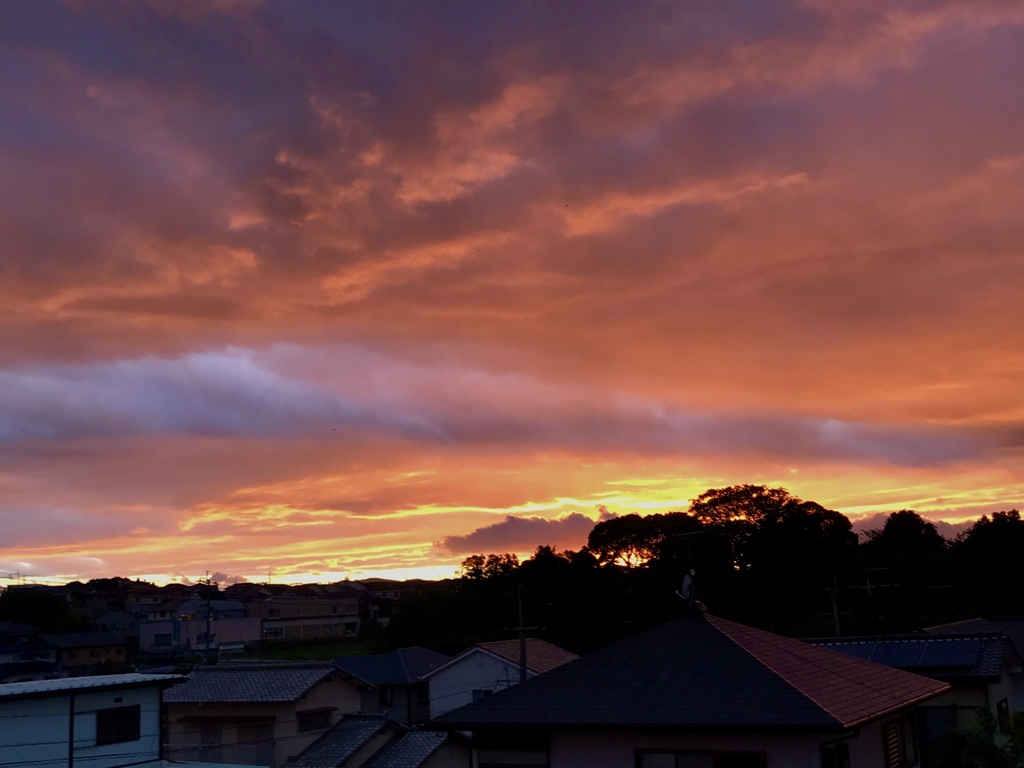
<point x="248" y="683"/>
<point x="408" y="751"/>
<point x="342" y="741"/>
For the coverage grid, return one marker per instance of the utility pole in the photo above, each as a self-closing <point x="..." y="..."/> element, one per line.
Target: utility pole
<point x="522" y="628"/>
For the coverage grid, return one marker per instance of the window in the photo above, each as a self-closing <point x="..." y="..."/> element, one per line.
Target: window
<point x="1003" y="715"/>
<point x="272" y="632"/>
<point x="423" y="693"/>
<point x="835" y="755"/>
<point x="315" y="720"/>
<point x="385" y="696"/>
<point x="162" y="640"/>
<point x="691" y="759"/>
<point x="479" y="693"/>
<point x="117" y="724"/>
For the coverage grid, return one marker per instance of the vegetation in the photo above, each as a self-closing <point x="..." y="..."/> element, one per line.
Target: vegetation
<point x="760" y="556"/>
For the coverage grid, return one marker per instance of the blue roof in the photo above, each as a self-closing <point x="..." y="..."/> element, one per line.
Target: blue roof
<point x="402" y="667"/>
<point x="944" y="657"/>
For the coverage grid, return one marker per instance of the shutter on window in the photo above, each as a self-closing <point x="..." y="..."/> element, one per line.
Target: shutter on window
<point x="893" y="753"/>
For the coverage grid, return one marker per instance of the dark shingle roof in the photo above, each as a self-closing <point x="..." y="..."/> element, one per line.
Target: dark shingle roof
<point x="703" y="673"/>
<point x="541" y="656"/>
<point x="944" y="657"/>
<point x="402" y="667"/>
<point x="410" y="750"/>
<point x="249" y="683"/>
<point x="342" y="741"/>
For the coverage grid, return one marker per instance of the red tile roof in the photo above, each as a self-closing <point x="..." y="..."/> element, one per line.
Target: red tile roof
<point x="851" y="690"/>
<point x="541" y="656"/>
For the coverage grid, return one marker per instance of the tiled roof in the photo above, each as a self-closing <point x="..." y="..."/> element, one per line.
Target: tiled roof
<point x="703" y="673"/>
<point x="249" y="683"/>
<point x="342" y="741"/>
<point x="541" y="656"/>
<point x="11" y="627"/>
<point x="1011" y="626"/>
<point x="401" y="667"/>
<point x="952" y="658"/>
<point x="410" y="750"/>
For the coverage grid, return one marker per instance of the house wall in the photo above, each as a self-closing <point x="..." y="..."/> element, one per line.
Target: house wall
<point x="453" y="686"/>
<point x="34" y="732"/>
<point x="619" y="750"/>
<point x="452" y="754"/>
<point x="311" y="628"/>
<point x="186" y="634"/>
<point x="235" y="733"/>
<point x="88" y="657"/>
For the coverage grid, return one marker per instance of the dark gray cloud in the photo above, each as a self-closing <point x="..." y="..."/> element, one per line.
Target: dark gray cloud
<point x="517" y="534"/>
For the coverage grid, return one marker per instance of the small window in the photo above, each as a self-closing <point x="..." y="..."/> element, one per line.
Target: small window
<point x="313" y="721"/>
<point x="479" y="693"/>
<point x="1003" y="715"/>
<point x="162" y="640"/>
<point x="117" y="725"/>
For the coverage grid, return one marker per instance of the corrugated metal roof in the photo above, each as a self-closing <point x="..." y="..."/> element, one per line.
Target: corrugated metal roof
<point x="82" y="683"/>
<point x="249" y="683"/>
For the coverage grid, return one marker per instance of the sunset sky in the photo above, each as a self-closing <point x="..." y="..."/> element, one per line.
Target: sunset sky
<point x="332" y="289"/>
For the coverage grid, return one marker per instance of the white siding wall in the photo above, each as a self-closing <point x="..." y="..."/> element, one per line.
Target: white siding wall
<point x="453" y="686"/>
<point x="34" y="732"/>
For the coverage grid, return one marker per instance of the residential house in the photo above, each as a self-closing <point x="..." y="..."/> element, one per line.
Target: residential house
<point x="84" y="653"/>
<point x="399" y="689"/>
<point x="197" y="625"/>
<point x="702" y="691"/>
<point x="1012" y="627"/>
<point x="100" y="722"/>
<point x="375" y="741"/>
<point x="487" y="668"/>
<point x="983" y="670"/>
<point x="256" y="713"/>
<point x="25" y="657"/>
<point x="296" y="617"/>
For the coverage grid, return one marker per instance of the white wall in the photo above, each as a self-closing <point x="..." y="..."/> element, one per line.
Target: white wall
<point x="453" y="686"/>
<point x="34" y="732"/>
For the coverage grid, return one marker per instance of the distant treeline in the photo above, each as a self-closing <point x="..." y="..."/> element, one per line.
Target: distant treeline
<point x="759" y="556"/>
